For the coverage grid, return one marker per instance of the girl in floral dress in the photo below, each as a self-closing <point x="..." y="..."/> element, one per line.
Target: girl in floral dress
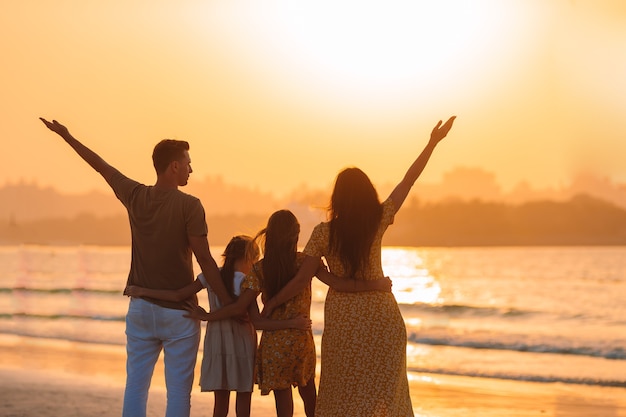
<point x="364" y="341"/>
<point x="285" y="358"/>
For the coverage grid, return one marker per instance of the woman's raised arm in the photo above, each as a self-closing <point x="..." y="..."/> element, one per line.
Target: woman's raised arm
<point x="398" y="195"/>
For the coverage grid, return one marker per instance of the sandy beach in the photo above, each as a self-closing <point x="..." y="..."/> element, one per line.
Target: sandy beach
<point x="59" y="378"/>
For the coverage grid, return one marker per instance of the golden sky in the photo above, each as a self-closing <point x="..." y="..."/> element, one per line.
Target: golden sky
<point x="276" y="94"/>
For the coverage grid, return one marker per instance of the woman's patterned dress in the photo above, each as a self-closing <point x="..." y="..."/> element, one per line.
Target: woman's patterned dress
<point x="364" y="342"/>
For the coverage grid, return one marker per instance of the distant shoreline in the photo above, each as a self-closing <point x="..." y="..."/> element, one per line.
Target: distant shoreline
<point x="580" y="221"/>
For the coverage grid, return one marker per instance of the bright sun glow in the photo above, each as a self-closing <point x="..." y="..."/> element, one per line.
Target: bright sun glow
<point x="383" y="48"/>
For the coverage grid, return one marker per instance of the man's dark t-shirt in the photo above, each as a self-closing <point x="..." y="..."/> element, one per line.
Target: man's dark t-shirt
<point x="160" y="221"/>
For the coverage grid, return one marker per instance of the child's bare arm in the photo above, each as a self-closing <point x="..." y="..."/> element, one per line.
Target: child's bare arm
<point x="232" y="310"/>
<point x="264" y="323"/>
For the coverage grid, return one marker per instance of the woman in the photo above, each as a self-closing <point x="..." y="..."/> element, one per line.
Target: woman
<point x="364" y="341"/>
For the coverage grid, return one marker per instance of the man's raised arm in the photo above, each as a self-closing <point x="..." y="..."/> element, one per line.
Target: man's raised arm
<point x="89" y="156"/>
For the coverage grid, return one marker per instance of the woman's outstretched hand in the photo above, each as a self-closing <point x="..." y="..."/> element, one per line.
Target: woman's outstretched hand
<point x="441" y="131"/>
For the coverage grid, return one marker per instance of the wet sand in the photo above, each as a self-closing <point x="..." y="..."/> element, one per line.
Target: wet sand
<point x="57" y="378"/>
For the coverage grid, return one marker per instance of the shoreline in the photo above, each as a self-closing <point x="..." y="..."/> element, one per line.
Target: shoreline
<point x="51" y="378"/>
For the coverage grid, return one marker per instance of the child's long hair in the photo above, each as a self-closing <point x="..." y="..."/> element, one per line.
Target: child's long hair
<point x="239" y="247"/>
<point x="355" y="214"/>
<point x="280" y="250"/>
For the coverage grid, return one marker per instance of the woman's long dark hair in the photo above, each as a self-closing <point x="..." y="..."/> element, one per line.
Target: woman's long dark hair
<point x="355" y="213"/>
<point x="280" y="250"/>
<point x="239" y="247"/>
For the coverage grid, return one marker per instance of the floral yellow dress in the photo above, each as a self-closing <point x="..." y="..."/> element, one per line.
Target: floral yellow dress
<point x="285" y="358"/>
<point x="364" y="341"/>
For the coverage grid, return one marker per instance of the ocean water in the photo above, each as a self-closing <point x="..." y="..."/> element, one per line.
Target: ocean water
<point x="543" y="314"/>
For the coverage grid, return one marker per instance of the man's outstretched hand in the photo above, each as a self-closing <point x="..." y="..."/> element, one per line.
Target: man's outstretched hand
<point x="56" y="127"/>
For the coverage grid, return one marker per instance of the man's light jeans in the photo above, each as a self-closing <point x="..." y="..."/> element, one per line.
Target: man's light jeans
<point x="150" y="328"/>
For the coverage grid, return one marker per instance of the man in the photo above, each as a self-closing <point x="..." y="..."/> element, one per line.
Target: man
<point x="167" y="225"/>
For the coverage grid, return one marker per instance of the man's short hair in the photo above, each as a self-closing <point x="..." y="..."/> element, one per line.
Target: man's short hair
<point x="167" y="151"/>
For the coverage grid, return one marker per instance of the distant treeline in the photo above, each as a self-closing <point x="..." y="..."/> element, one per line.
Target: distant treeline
<point x="582" y="220"/>
<point x="88" y="229"/>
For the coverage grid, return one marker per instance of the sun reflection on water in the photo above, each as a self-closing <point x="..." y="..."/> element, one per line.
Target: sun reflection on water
<point x="412" y="282"/>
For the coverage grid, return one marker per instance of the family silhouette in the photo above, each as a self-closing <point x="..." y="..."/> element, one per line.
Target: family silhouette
<point x="363" y="350"/>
